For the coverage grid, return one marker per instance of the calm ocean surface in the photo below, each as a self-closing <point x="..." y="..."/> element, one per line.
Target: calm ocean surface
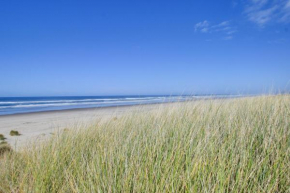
<point x="14" y="105"/>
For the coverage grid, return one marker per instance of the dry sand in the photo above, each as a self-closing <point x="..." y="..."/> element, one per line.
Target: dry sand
<point x="38" y="126"/>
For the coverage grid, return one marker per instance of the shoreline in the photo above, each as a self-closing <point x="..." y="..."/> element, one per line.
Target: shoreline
<point x="85" y="109"/>
<point x="72" y="107"/>
<point x="37" y="126"/>
<point x="40" y="125"/>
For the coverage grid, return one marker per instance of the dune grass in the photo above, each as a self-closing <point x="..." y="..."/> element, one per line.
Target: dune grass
<point x="236" y="145"/>
<point x="14" y="133"/>
<point x="2" y="137"/>
<point x="2" y="144"/>
<point x="4" y="148"/>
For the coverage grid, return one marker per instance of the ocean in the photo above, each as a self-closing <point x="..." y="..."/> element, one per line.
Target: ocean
<point x="15" y="105"/>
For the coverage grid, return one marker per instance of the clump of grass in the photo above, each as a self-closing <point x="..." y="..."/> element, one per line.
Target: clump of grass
<point x="3" y="142"/>
<point x="235" y="145"/>
<point x="2" y="137"/>
<point x="14" y="133"/>
<point x="4" y="148"/>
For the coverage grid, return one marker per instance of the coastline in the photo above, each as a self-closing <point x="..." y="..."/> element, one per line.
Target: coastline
<point x="41" y="125"/>
<point x="87" y="108"/>
<point x="37" y="126"/>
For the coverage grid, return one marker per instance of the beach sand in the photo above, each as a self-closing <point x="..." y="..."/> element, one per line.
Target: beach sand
<point x="41" y="125"/>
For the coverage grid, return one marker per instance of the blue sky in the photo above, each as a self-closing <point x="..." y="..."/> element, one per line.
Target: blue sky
<point x="70" y="47"/>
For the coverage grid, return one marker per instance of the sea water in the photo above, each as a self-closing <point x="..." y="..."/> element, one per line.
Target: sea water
<point x="15" y="105"/>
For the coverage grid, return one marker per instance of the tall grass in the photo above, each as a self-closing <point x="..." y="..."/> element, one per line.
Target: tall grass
<point x="236" y="145"/>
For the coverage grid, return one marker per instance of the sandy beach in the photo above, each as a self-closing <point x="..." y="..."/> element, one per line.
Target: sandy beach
<point x="40" y="125"/>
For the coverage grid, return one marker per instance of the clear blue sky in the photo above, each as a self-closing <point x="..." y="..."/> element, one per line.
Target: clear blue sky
<point x="93" y="47"/>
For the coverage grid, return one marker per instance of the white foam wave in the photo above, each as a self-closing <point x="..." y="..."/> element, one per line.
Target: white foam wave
<point x="81" y="100"/>
<point x="68" y="101"/>
<point x="56" y="101"/>
<point x="77" y="104"/>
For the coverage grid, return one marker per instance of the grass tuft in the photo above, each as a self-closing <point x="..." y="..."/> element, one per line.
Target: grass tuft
<point x="14" y="133"/>
<point x="4" y="148"/>
<point x="234" y="145"/>
<point x="2" y="137"/>
<point x="3" y="142"/>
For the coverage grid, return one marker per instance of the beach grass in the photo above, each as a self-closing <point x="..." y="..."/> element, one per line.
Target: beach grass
<point x="4" y="148"/>
<point x="14" y="133"/>
<point x="232" y="145"/>
<point x="2" y="137"/>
